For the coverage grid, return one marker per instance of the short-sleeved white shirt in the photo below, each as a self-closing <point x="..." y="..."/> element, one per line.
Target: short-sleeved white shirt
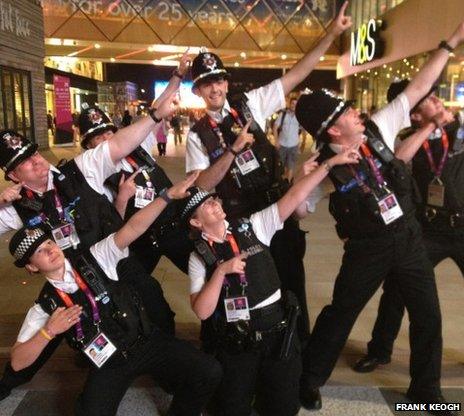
<point x="265" y="223"/>
<point x="95" y="164"/>
<point x="107" y="255"/>
<point x="289" y="135"/>
<point x="263" y="102"/>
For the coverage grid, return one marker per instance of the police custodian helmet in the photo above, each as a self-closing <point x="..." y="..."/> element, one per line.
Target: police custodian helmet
<point x="207" y="65"/>
<point x="92" y="122"/>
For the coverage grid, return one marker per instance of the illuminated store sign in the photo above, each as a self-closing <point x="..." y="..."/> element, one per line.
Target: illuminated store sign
<point x="366" y="44"/>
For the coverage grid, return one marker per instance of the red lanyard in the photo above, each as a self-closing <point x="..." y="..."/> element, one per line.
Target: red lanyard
<point x="135" y="166"/>
<point x="437" y="170"/>
<point x="375" y="170"/>
<point x="235" y="249"/>
<point x="58" y="204"/>
<point x="68" y="302"/>
<point x="216" y="129"/>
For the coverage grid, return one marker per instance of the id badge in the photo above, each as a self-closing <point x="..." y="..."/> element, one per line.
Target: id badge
<point x="65" y="236"/>
<point x="237" y="309"/>
<point x="390" y="209"/>
<point x="246" y="162"/>
<point x="99" y="349"/>
<point x="143" y="196"/>
<point x="436" y="193"/>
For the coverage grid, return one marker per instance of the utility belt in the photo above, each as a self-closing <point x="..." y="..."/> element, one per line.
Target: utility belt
<point x="443" y="217"/>
<point x="253" y="202"/>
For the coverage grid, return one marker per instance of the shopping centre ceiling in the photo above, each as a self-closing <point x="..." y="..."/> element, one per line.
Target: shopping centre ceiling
<point x="250" y="33"/>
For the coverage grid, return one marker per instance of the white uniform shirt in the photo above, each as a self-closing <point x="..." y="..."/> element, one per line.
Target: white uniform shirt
<point x="265" y="223"/>
<point x="107" y="255"/>
<point x="263" y="102"/>
<point x="95" y="164"/>
<point x="289" y="135"/>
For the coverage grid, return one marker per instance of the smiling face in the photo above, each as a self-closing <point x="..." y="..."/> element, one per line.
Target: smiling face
<point x="427" y="109"/>
<point x="348" y="128"/>
<point x="48" y="258"/>
<point x="208" y="214"/>
<point x="213" y="92"/>
<point x="33" y="171"/>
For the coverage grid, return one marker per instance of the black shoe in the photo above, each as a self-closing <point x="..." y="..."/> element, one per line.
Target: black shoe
<point x="369" y="363"/>
<point x="4" y="392"/>
<point x="430" y="401"/>
<point x="310" y="398"/>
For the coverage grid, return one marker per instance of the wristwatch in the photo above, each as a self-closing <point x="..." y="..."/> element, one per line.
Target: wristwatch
<point x="152" y="111"/>
<point x="163" y="194"/>
<point x="177" y="74"/>
<point x="445" y="45"/>
<point x="229" y="148"/>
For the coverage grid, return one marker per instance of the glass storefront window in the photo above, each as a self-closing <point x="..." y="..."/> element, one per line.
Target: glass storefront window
<point x="363" y="10"/>
<point x="15" y="100"/>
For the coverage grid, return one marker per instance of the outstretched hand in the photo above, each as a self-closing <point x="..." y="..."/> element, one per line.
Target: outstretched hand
<point x="341" y="22"/>
<point x="244" y="138"/>
<point x="234" y="265"/>
<point x="168" y="106"/>
<point x="179" y="190"/>
<point x="349" y="155"/>
<point x="10" y="194"/>
<point x="184" y="63"/>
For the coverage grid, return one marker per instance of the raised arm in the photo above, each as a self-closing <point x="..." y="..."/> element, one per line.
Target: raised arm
<point x="127" y="139"/>
<point x="301" y="189"/>
<point x="430" y="71"/>
<point x="305" y="65"/>
<point x="141" y="220"/>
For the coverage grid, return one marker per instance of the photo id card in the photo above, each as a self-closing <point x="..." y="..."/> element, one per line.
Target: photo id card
<point x="143" y="196"/>
<point x="237" y="309"/>
<point x="100" y="349"/>
<point x="66" y="236"/>
<point x="246" y="162"/>
<point x="390" y="209"/>
<point x="436" y="193"/>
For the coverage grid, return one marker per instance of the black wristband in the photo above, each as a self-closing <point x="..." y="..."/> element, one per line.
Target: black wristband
<point x="177" y="74"/>
<point x="163" y="194"/>
<point x="152" y="111"/>
<point x="445" y="45"/>
<point x="232" y="151"/>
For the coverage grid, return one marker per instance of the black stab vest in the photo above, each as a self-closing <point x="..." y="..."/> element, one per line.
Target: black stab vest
<point x="123" y="318"/>
<point x="95" y="217"/>
<point x="159" y="180"/>
<point x="452" y="175"/>
<point x="243" y="194"/>
<point x="261" y="273"/>
<point x="357" y="213"/>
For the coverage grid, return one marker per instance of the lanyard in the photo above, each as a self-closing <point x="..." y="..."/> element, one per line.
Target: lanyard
<point x="58" y="205"/>
<point x="216" y="129"/>
<point x="375" y="170"/>
<point x="68" y="302"/>
<point x="437" y="170"/>
<point x="233" y="244"/>
<point x="136" y="167"/>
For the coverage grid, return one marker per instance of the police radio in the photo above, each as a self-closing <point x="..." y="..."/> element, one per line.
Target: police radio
<point x="93" y="280"/>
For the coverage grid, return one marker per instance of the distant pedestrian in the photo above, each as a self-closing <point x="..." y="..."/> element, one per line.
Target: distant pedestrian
<point x="162" y="138"/>
<point x="50" y="122"/>
<point x="176" y="124"/>
<point x="126" y="119"/>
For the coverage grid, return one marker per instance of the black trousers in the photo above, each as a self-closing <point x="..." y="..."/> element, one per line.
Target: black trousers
<point x="192" y="375"/>
<point x="258" y="377"/>
<point x="174" y="244"/>
<point x="440" y="245"/>
<point x="398" y="255"/>
<point x="288" y="248"/>
<point x="161" y="149"/>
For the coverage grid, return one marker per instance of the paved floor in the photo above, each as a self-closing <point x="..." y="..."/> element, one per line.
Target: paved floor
<point x="348" y="393"/>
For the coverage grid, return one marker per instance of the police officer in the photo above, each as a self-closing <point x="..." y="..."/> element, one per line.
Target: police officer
<point x="373" y="206"/>
<point x="229" y="146"/>
<point x="438" y="168"/>
<point x="88" y="299"/>
<point x="68" y="200"/>
<point x="235" y="286"/>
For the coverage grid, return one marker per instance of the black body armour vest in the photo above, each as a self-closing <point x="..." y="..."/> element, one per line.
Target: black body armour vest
<point x="357" y="213"/>
<point x="159" y="180"/>
<point x="243" y="194"/>
<point x="260" y="271"/>
<point x="452" y="175"/>
<point x="94" y="217"/>
<point x="123" y="318"/>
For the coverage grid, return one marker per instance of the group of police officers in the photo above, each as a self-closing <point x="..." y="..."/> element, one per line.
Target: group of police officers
<point x="96" y="226"/>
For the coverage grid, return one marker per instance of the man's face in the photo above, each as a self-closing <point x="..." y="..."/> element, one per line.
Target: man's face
<point x="292" y="105"/>
<point x="428" y="109"/>
<point x="347" y="127"/>
<point x="99" y="138"/>
<point x="213" y="93"/>
<point x="47" y="258"/>
<point x="33" y="170"/>
<point x="210" y="212"/>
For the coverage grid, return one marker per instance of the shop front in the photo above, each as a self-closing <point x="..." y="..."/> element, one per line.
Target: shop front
<point x="394" y="45"/>
<point x="22" y="98"/>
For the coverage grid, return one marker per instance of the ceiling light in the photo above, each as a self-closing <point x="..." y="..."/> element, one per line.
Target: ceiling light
<point x="283" y="56"/>
<point x="243" y="55"/>
<point x="322" y="58"/>
<point x="112" y="59"/>
<point x="236" y="64"/>
<point x="97" y="46"/>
